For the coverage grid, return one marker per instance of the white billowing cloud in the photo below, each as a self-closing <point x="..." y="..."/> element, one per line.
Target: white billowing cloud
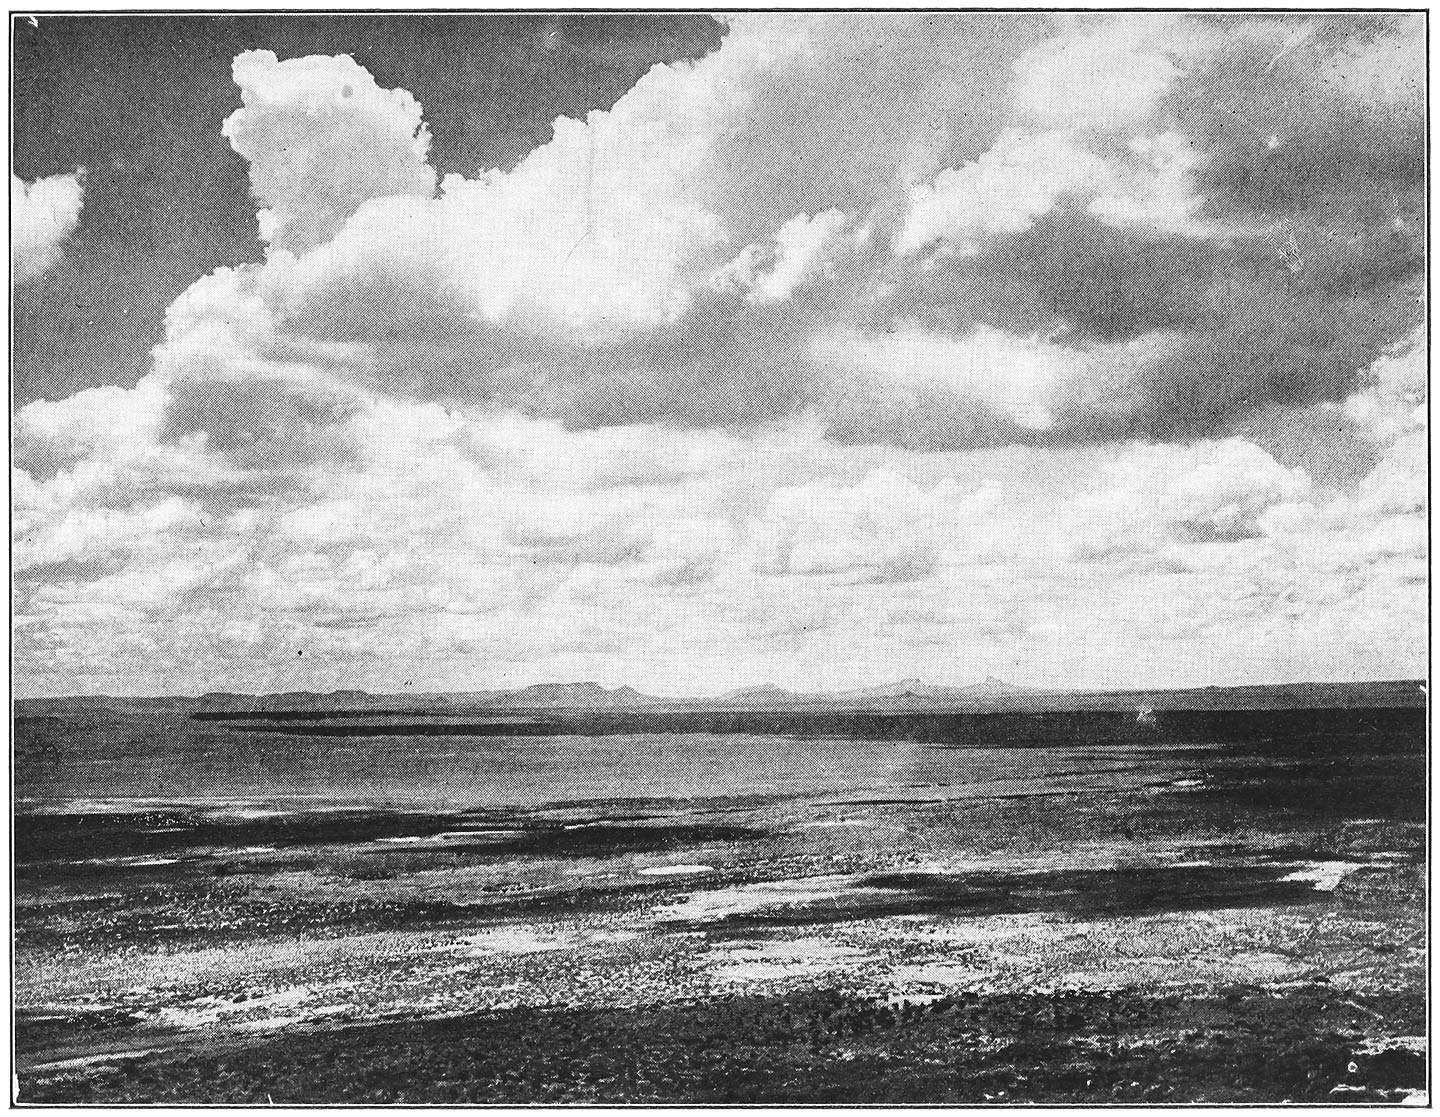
<point x="217" y="327"/>
<point x="484" y="548"/>
<point x="1106" y="72"/>
<point x="1226" y="484"/>
<point x="100" y="448"/>
<point x="1024" y="382"/>
<point x="884" y="528"/>
<point x="1391" y="400"/>
<point x="772" y="276"/>
<point x="1202" y="493"/>
<point x="596" y="281"/>
<point x="42" y="214"/>
<point x="1159" y="196"/>
<point x="598" y="234"/>
<point x="1004" y="191"/>
<point x="1099" y="79"/>
<point x="321" y="138"/>
<point x="81" y="534"/>
<point x="1016" y="377"/>
<point x="1026" y="174"/>
<point x="1398" y="485"/>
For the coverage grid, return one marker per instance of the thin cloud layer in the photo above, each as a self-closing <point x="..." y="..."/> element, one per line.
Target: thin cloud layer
<point x="849" y="349"/>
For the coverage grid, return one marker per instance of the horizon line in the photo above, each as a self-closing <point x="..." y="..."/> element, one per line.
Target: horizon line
<point x="1422" y="681"/>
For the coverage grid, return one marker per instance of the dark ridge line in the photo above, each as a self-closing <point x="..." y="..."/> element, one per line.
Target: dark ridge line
<point x="1312" y="728"/>
<point x="553" y="714"/>
<point x="481" y="729"/>
<point x="322" y="715"/>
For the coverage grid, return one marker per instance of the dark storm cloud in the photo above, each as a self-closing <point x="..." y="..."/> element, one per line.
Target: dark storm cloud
<point x="261" y="425"/>
<point x="892" y="97"/>
<point x="1068" y="271"/>
<point x="1301" y="134"/>
<point x="1319" y="179"/>
<point x="1332" y="175"/>
<point x="1253" y="325"/>
<point x="1291" y="347"/>
<point x="721" y="364"/>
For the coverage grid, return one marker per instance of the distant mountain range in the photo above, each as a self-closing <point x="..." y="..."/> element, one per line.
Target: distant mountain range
<point x="904" y="696"/>
<point x="572" y="696"/>
<point x="914" y="688"/>
<point x="593" y="696"/>
<point x="905" y="692"/>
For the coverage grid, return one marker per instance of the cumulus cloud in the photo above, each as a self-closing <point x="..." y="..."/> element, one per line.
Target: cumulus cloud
<point x="672" y="260"/>
<point x="884" y="527"/>
<point x="1392" y="395"/>
<point x="1025" y="174"/>
<point x="1107" y="72"/>
<point x="321" y="138"/>
<point x="607" y="234"/>
<point x="850" y="342"/>
<point x="42" y="214"/>
<point x="773" y="276"/>
<point x="926" y="389"/>
<point x="471" y="543"/>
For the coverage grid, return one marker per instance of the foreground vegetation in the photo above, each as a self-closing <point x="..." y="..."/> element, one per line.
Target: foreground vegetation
<point x="1243" y="1044"/>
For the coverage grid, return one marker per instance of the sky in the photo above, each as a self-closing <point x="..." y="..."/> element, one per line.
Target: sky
<point x="460" y="352"/>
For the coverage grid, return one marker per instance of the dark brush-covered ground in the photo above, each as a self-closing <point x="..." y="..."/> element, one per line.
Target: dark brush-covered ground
<point x="712" y="919"/>
<point x="1242" y="1044"/>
